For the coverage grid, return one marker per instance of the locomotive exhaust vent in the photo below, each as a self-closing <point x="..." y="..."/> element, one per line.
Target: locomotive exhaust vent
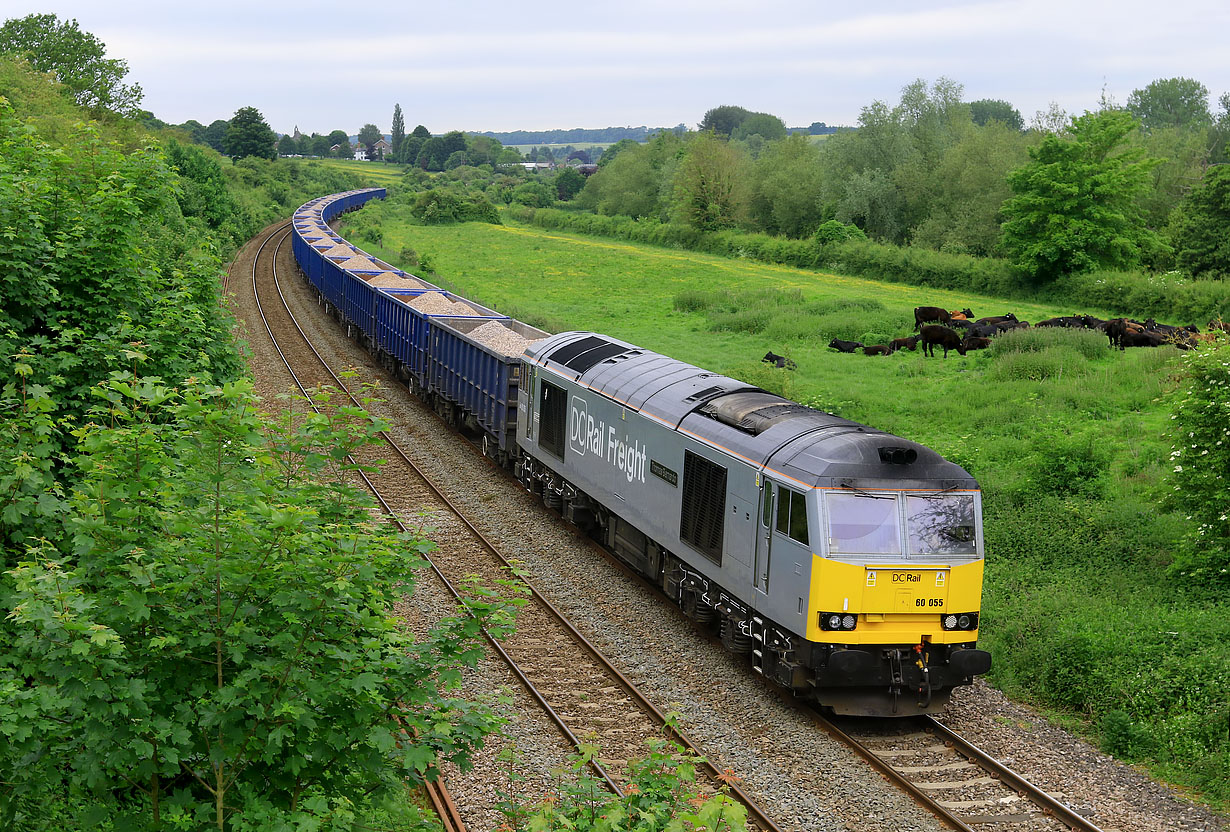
<point x="897" y="456"/>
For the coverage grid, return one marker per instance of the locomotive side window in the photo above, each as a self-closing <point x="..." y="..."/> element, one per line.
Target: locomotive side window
<point x="792" y="514"/>
<point x="553" y="419"/>
<point x="864" y="524"/>
<point x="798" y="517"/>
<point x="704" y="506"/>
<point x="942" y="525"/>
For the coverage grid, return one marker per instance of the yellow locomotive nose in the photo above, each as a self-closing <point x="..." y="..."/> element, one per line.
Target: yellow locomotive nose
<point x="894" y="603"/>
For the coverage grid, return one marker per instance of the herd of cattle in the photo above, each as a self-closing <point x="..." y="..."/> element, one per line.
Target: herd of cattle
<point x="959" y="330"/>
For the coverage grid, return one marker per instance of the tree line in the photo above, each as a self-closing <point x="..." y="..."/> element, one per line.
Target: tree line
<point x="937" y="172"/>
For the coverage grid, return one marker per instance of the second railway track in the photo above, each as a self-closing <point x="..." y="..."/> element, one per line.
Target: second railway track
<point x="584" y="694"/>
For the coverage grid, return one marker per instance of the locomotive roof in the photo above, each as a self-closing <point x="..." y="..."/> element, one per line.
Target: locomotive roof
<point x="810" y="446"/>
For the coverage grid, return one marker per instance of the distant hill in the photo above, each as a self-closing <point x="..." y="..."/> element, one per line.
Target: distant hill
<point x="576" y="135"/>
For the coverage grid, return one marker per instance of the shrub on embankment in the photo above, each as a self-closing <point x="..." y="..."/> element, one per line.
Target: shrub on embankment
<point x="1168" y="297"/>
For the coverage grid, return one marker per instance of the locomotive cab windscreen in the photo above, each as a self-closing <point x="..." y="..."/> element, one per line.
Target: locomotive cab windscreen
<point x="877" y="526"/>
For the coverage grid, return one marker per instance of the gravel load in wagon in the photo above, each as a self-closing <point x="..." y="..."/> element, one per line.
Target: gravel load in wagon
<point x="500" y="338"/>
<point x="357" y="263"/>
<point x="392" y="280"/>
<point x="339" y="250"/>
<point x="436" y="303"/>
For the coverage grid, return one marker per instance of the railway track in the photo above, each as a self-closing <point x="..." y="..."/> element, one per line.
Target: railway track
<point x="577" y="687"/>
<point x="962" y="785"/>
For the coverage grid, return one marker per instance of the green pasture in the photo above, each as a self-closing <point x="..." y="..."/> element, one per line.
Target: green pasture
<point x="1067" y="437"/>
<point x="374" y="174"/>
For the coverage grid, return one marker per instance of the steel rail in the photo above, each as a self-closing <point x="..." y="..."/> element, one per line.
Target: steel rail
<point x="891" y="774"/>
<point x="1049" y="804"/>
<point x="437" y="791"/>
<point x="754" y="811"/>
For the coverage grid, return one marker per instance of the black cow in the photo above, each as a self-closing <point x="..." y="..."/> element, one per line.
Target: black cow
<point x="1066" y="321"/>
<point x="781" y="362"/>
<point x="877" y="350"/>
<point x="925" y="314"/>
<point x="972" y="343"/>
<point x="1117" y="329"/>
<point x="844" y="346"/>
<point x="910" y="343"/>
<point x="997" y="319"/>
<point x="933" y="336"/>
<point x="1141" y="338"/>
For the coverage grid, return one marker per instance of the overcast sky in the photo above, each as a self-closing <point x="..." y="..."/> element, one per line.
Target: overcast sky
<point x="482" y="65"/>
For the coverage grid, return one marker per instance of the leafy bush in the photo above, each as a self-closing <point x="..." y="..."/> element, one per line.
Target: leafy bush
<point x="441" y="206"/>
<point x="837" y="232"/>
<point x="1062" y="465"/>
<point x="1200" y="459"/>
<point x="219" y="638"/>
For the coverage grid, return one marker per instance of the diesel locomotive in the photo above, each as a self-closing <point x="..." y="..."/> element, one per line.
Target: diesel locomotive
<point x="845" y="562"/>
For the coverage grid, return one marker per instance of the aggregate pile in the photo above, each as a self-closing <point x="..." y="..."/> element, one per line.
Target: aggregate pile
<point x="435" y="303"/>
<point x="357" y="263"/>
<point x="500" y="338"/>
<point x="392" y="280"/>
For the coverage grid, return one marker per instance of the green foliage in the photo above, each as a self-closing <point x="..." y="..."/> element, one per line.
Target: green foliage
<point x="568" y="183"/>
<point x="785" y="181"/>
<point x="369" y="134"/>
<point x="768" y="127"/>
<point x="1171" y="102"/>
<point x="441" y="205"/>
<point x="534" y="194"/>
<point x="833" y="231"/>
<point x="100" y="257"/>
<point x="1076" y="204"/>
<point x="249" y="135"/>
<point x="1086" y="343"/>
<point x="398" y="134"/>
<point x="992" y="109"/>
<point x="1201" y="229"/>
<point x="723" y="120"/>
<point x="1068" y="465"/>
<point x="214" y="640"/>
<point x="1200" y="460"/>
<point x="76" y="59"/>
<point x="659" y="795"/>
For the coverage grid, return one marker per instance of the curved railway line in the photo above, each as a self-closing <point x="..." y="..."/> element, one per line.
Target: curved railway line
<point x="578" y="688"/>
<point x="582" y="692"/>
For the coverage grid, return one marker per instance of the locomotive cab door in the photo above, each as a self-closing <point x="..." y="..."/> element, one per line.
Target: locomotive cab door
<point x="764" y="535"/>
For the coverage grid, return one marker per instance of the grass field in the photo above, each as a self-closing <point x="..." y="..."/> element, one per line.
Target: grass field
<point x="1068" y="439"/>
<point x="373" y="174"/>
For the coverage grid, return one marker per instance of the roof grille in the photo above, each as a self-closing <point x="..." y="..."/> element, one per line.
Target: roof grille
<point x="707" y="393"/>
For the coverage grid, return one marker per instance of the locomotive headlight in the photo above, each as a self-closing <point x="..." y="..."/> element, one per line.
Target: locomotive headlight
<point x="834" y="622"/>
<point x="960" y="621"/>
<point x="848" y="621"/>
